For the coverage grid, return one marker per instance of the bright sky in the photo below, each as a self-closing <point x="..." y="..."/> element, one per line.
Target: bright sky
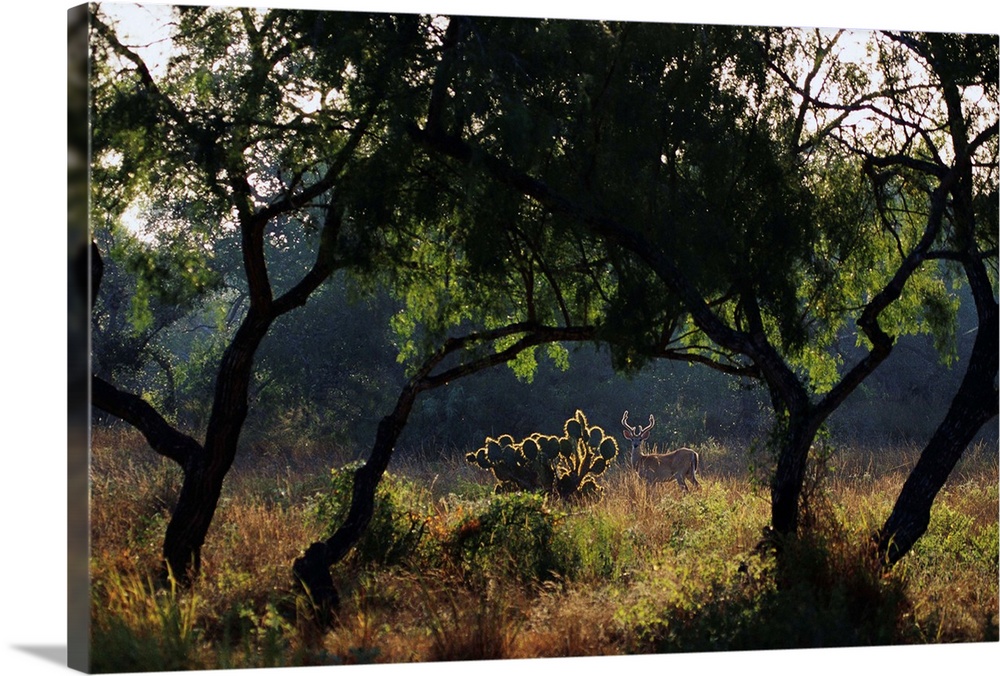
<point x="144" y="28"/>
<point x="962" y="15"/>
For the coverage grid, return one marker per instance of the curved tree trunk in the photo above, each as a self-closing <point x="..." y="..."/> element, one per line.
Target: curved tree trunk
<point x="312" y="570"/>
<point x="205" y="465"/>
<point x="975" y="403"/>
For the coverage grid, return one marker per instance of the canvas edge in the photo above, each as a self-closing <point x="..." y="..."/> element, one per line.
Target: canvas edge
<point x="78" y="343"/>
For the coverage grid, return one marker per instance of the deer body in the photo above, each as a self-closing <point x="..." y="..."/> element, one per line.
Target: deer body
<point x="679" y="464"/>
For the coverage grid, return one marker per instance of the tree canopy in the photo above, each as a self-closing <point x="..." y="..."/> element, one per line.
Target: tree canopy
<point x="784" y="206"/>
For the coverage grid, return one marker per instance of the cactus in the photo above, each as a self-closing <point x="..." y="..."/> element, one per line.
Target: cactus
<point x="548" y="446"/>
<point x="575" y="426"/>
<point x="529" y="447"/>
<point x="608" y="448"/>
<point x="515" y="466"/>
<point x="567" y="466"/>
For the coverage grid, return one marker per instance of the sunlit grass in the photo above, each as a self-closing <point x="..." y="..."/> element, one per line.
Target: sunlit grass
<point x="641" y="569"/>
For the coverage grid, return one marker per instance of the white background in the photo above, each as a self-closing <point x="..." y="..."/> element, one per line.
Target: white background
<point x="32" y="327"/>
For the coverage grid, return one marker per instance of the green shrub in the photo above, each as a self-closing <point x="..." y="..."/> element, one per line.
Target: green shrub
<point x="605" y="549"/>
<point x="986" y="548"/>
<point x="135" y="626"/>
<point x="399" y="519"/>
<point x="820" y="592"/>
<point x="515" y="536"/>
<point x="953" y="543"/>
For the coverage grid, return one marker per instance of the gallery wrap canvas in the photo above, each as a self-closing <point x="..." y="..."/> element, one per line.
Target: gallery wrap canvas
<point x="439" y="340"/>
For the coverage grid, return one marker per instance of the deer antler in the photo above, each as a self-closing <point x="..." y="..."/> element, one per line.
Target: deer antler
<point x="632" y="432"/>
<point x="626" y="425"/>
<point x="643" y="430"/>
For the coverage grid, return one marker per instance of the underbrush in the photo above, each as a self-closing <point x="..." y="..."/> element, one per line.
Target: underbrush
<point x="448" y="570"/>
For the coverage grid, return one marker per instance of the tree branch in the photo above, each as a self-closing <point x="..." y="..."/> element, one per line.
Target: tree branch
<point x="161" y="435"/>
<point x="534" y="335"/>
<point x="763" y="354"/>
<point x="322" y="268"/>
<point x="881" y="341"/>
<point x="733" y="369"/>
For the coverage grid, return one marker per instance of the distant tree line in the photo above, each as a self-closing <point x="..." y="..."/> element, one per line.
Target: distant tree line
<point x="323" y="375"/>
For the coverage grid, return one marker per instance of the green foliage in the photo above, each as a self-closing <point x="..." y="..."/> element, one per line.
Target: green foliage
<point x="954" y="542"/>
<point x="137" y="626"/>
<point x="172" y="274"/>
<point x="194" y="376"/>
<point x="822" y="592"/>
<point x="711" y="173"/>
<point x="146" y="629"/>
<point x="398" y="524"/>
<point x="568" y="466"/>
<point x="515" y="536"/>
<point x="606" y="549"/>
<point x="928" y="306"/>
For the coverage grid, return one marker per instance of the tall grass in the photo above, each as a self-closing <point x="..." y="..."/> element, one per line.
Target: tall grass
<point x="454" y="572"/>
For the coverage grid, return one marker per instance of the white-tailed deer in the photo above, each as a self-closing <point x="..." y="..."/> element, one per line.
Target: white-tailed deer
<point x="679" y="464"/>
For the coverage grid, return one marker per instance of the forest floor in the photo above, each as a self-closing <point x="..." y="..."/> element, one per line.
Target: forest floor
<point x="448" y="570"/>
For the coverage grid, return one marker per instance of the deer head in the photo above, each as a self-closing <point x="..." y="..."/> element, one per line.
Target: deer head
<point x="637" y="435"/>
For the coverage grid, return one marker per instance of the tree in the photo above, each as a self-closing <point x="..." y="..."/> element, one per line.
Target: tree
<point x="222" y="141"/>
<point x="958" y="64"/>
<point x="484" y="281"/>
<point x="934" y="157"/>
<point x="236" y="166"/>
<point x="729" y="218"/>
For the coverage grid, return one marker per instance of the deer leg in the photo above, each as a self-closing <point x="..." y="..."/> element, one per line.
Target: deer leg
<point x="680" y="481"/>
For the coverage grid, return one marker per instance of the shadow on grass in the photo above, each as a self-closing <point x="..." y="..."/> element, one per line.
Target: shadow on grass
<point x="816" y="594"/>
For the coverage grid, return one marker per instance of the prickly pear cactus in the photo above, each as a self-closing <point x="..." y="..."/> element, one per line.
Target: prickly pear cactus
<point x="589" y="455"/>
<point x="514" y="466"/>
<point x="568" y="465"/>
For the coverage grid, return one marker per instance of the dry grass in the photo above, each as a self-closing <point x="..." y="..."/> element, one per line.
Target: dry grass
<point x="642" y="569"/>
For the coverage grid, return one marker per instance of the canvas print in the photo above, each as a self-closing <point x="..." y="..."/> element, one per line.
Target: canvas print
<point x="421" y="338"/>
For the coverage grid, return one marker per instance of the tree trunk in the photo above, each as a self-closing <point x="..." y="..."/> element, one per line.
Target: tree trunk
<point x="786" y="485"/>
<point x="312" y="570"/>
<point x="206" y="470"/>
<point x="976" y="401"/>
<point x="190" y="520"/>
<point x="974" y="404"/>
